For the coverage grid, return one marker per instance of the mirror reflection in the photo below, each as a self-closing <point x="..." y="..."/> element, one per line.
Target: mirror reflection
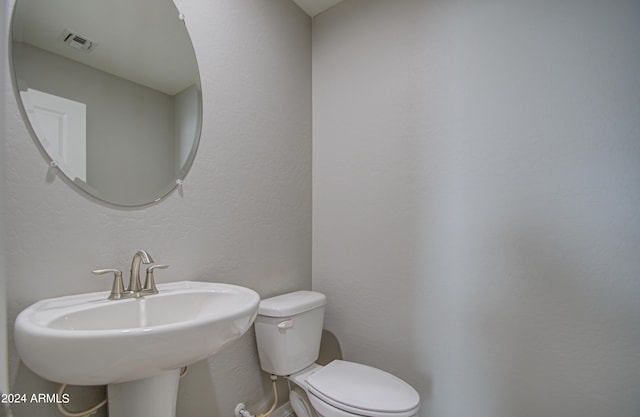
<point x="111" y="91"/>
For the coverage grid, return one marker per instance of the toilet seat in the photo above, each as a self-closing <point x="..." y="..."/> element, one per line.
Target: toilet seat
<point x="360" y="389"/>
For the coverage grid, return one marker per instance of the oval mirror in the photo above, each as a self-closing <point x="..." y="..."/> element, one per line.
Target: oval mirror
<point x="110" y="90"/>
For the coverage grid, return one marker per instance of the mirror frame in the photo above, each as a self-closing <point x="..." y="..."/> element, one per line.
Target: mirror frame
<point x="53" y="171"/>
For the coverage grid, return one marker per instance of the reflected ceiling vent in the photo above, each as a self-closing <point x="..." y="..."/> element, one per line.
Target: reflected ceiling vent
<point x="77" y="41"/>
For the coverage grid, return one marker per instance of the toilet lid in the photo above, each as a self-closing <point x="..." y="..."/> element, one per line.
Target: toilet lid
<point x="361" y="389"/>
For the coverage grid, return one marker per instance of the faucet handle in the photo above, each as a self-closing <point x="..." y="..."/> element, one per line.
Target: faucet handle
<point x="149" y="281"/>
<point x="117" y="289"/>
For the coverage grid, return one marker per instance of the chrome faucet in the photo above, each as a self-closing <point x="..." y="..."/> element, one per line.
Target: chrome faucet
<point x="135" y="288"/>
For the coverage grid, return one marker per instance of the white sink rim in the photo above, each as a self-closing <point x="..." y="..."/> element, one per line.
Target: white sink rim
<point x="38" y="320"/>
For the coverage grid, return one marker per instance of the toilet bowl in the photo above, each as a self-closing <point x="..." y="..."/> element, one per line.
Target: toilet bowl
<point x="288" y="330"/>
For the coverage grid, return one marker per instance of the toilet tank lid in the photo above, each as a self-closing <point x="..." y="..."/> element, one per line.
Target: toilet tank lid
<point x="291" y="303"/>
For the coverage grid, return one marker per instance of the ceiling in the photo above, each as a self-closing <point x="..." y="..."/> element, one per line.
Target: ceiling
<point x="314" y="7"/>
<point x="151" y="46"/>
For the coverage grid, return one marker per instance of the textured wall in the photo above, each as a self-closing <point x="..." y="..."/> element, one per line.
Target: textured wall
<point x="475" y="200"/>
<point x="244" y="216"/>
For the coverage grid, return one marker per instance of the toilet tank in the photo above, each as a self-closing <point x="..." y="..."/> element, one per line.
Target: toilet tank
<point x="288" y="330"/>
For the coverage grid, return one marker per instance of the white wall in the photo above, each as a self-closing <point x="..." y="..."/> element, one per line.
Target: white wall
<point x="130" y="128"/>
<point x="185" y="126"/>
<point x="244" y="216"/>
<point x="475" y="200"/>
<point x="4" y="384"/>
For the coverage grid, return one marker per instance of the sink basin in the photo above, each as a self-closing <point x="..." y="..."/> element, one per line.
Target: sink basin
<point x="88" y="340"/>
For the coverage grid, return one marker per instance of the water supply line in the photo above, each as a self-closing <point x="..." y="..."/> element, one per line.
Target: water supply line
<point x="85" y="413"/>
<point x="241" y="410"/>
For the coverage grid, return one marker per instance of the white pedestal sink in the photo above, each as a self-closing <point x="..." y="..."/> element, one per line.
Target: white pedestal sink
<point x="135" y="346"/>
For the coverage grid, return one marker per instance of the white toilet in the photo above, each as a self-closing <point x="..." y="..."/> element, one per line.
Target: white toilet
<point x="288" y="330"/>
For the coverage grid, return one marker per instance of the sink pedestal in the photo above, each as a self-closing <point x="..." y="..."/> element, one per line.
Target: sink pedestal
<point x="149" y="397"/>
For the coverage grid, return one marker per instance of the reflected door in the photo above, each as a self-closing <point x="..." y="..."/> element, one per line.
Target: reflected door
<point x="61" y="126"/>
